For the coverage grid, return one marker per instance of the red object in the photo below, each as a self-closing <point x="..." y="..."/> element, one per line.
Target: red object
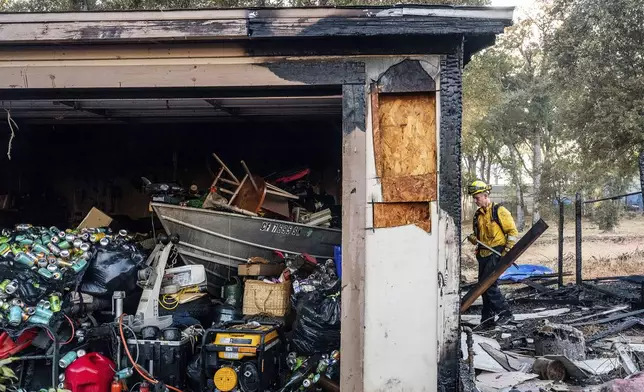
<point x="293" y="177"/>
<point x="144" y="387"/>
<point x="116" y="386"/>
<point x="9" y="348"/>
<point x="90" y="373"/>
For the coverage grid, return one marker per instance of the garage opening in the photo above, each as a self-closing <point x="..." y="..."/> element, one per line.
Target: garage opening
<point x="146" y="164"/>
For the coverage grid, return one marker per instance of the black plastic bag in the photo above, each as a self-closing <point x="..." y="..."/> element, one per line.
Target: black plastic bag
<point x="317" y="325"/>
<point x="194" y="373"/>
<point x="112" y="269"/>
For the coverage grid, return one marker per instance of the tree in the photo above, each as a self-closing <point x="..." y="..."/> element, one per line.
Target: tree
<point x="515" y="126"/>
<point x="599" y="68"/>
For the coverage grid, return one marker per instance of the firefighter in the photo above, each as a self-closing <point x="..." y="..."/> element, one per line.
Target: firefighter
<point x="493" y="226"/>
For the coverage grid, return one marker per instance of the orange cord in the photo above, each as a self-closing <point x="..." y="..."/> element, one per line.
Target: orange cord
<point x="135" y="365"/>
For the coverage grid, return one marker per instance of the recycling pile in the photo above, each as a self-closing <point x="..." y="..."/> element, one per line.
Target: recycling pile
<point x="39" y="266"/>
<point x="316" y="299"/>
<point x="321" y="369"/>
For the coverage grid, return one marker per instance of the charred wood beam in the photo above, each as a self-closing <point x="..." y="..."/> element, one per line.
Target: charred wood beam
<point x="610" y="319"/>
<point x="235" y="112"/>
<point x="603" y="290"/>
<point x="506" y="261"/>
<point x="77" y="106"/>
<point x="68" y="94"/>
<point x="615" y="330"/>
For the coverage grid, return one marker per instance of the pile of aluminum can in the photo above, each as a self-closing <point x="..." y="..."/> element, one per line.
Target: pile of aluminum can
<point x="54" y="255"/>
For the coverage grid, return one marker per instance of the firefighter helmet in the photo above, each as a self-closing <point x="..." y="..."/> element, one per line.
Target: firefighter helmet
<point x="478" y="187"/>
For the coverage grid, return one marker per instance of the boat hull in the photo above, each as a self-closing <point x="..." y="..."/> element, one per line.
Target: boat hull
<point x="221" y="240"/>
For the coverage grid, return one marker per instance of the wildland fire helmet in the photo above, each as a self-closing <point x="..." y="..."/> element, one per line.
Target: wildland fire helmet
<point x="478" y="187"/>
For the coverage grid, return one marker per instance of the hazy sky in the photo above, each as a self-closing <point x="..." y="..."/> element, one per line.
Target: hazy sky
<point x="504" y="3"/>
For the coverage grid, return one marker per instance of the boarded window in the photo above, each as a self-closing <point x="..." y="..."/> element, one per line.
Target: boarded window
<point x="405" y="150"/>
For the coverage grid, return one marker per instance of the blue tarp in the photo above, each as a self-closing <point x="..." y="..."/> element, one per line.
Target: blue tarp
<point x="524" y="271"/>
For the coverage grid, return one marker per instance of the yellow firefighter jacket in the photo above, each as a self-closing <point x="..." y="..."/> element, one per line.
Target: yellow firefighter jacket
<point x="491" y="233"/>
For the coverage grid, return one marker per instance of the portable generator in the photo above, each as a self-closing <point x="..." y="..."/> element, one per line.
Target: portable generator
<point x="242" y="357"/>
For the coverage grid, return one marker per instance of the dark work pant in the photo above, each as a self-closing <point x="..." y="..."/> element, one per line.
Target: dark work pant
<point x="493" y="300"/>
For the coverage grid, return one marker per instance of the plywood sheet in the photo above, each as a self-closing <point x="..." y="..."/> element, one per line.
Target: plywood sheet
<point x="408" y="134"/>
<point x="409" y="188"/>
<point x="402" y="214"/>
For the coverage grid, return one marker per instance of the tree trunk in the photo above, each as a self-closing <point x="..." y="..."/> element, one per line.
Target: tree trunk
<point x="537" y="161"/>
<point x="516" y="180"/>
<point x="488" y="171"/>
<point x="471" y="167"/>
<point x="642" y="173"/>
<point x="520" y="206"/>
<point x="483" y="166"/>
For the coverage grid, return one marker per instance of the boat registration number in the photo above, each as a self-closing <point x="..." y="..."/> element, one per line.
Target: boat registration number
<point x="278" y="228"/>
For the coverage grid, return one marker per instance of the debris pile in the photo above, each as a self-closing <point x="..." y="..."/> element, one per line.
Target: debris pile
<point x="594" y="343"/>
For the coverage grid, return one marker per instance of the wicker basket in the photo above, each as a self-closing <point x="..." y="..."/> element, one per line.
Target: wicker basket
<point x="266" y="298"/>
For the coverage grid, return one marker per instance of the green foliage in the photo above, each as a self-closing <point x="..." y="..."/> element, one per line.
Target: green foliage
<point x="606" y="215"/>
<point x="7" y="376"/>
<point x="598" y="66"/>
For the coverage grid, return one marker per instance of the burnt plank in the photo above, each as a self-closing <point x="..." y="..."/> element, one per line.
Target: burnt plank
<point x="506" y="261"/>
<point x="375" y="26"/>
<point x="106" y="31"/>
<point x="319" y="72"/>
<point x="450" y="206"/>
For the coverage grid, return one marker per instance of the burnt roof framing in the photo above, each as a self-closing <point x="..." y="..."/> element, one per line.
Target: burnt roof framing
<point x="303" y="31"/>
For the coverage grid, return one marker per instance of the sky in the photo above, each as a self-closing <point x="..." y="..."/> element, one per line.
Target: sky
<point x="509" y="3"/>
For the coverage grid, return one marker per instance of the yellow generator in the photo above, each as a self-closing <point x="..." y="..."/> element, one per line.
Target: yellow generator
<point x="242" y="357"/>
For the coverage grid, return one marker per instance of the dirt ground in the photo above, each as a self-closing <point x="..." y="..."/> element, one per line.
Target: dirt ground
<point x="604" y="254"/>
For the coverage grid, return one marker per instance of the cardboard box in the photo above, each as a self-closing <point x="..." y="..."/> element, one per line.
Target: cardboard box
<point x="95" y="218"/>
<point x="260" y="269"/>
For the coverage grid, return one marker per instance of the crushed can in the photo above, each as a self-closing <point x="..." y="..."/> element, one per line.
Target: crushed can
<point x="44" y="272"/>
<point x="4" y="284"/>
<point x="11" y="287"/>
<point x="22" y="258"/>
<point x="79" y="265"/>
<point x="54" y="302"/>
<point x="67" y="359"/>
<point x="124" y="373"/>
<point x="64" y="245"/>
<point x="5" y="249"/>
<point x="37" y="248"/>
<point x="35" y="319"/>
<point x="53" y="248"/>
<point x="15" y="315"/>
